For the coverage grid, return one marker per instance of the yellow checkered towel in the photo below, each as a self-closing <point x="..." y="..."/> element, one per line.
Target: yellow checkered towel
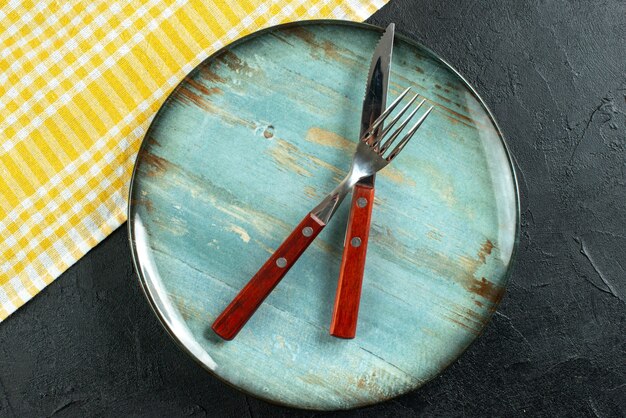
<point x="79" y="84"/>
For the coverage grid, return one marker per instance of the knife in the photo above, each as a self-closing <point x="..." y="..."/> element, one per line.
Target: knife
<point x="348" y="295"/>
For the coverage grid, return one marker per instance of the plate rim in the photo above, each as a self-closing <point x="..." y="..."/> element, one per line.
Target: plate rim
<point x="312" y="22"/>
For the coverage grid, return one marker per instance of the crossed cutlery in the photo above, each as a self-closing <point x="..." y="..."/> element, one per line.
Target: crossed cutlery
<point x="373" y="152"/>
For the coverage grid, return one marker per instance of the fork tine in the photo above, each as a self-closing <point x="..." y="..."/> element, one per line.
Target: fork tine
<point x="409" y="135"/>
<point x="384" y="115"/>
<point x="393" y="121"/>
<point x="397" y="132"/>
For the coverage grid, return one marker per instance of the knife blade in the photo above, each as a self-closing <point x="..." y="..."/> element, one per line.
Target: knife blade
<point x="377" y="82"/>
<point x="347" y="297"/>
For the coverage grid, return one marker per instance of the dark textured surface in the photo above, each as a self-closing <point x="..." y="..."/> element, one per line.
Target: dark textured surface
<point x="554" y="74"/>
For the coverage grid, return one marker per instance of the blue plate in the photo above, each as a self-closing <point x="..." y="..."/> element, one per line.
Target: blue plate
<point x="248" y="143"/>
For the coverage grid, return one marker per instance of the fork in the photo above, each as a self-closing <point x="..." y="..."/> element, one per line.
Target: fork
<point x="370" y="156"/>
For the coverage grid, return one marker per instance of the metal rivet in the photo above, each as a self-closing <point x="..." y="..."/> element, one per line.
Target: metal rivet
<point x="361" y="202"/>
<point x="307" y="231"/>
<point x="281" y="262"/>
<point x="355" y="242"/>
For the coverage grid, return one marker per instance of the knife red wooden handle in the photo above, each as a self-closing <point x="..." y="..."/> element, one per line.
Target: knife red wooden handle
<point x="239" y="311"/>
<point x="348" y="296"/>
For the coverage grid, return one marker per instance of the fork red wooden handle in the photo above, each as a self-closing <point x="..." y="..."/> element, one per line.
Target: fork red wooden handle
<point x="239" y="311"/>
<point x="348" y="296"/>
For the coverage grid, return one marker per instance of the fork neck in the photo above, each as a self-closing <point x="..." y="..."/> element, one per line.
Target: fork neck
<point x="327" y="207"/>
